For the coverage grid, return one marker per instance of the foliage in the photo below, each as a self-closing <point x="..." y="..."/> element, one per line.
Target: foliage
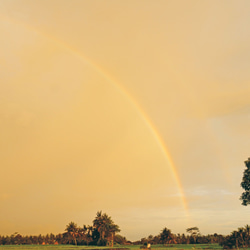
<point x="237" y="239"/>
<point x="67" y="247"/>
<point x="106" y="229"/>
<point x="102" y="233"/>
<point x="119" y="239"/>
<point x="166" y="236"/>
<point x="245" y="184"/>
<point x="194" y="232"/>
<point x="72" y="231"/>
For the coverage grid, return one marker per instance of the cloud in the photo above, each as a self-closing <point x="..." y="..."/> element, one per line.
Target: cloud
<point x="203" y="191"/>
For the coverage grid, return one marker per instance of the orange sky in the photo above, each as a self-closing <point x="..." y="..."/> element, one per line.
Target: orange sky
<point x="130" y="107"/>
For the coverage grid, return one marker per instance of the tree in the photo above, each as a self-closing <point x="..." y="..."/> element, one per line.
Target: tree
<point x="166" y="236"/>
<point x="245" y="184"/>
<point x="72" y="230"/>
<point x="105" y="227"/>
<point x="150" y="238"/>
<point x="119" y="239"/>
<point x="247" y="231"/>
<point x="88" y="233"/>
<point x="194" y="232"/>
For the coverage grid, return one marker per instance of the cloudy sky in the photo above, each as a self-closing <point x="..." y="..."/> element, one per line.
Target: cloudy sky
<point x="138" y="108"/>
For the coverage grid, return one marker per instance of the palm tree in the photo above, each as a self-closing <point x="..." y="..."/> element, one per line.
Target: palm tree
<point x="100" y="223"/>
<point x="113" y="229"/>
<point x="105" y="226"/>
<point x="72" y="230"/>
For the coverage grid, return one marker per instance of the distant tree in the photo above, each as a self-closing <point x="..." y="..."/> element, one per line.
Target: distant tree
<point x="194" y="232"/>
<point x="183" y="239"/>
<point x="7" y="240"/>
<point x="245" y="184"/>
<point x="105" y="227"/>
<point x="247" y="233"/>
<point x="59" y="238"/>
<point x="119" y="239"/>
<point x="144" y="241"/>
<point x="157" y="239"/>
<point x="237" y="239"/>
<point x="87" y="233"/>
<point x="100" y="223"/>
<point x="150" y="238"/>
<point x="166" y="236"/>
<point x="40" y="239"/>
<point x="72" y="230"/>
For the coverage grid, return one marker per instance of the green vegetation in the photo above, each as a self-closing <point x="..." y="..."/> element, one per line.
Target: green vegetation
<point x="101" y="233"/>
<point x="194" y="232"/>
<point x="105" y="229"/>
<point x="102" y="236"/>
<point x="166" y="236"/>
<point x="132" y="247"/>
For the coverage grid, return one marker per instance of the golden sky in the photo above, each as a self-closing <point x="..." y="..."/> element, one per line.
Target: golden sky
<point x="139" y="108"/>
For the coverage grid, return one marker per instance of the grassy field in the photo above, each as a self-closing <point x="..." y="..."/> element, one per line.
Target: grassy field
<point x="136" y="247"/>
<point x="70" y="247"/>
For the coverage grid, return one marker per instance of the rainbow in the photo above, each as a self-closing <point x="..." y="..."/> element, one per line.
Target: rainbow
<point x="127" y="96"/>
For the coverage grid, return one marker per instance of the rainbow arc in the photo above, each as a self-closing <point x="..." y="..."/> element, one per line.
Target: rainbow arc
<point x="120" y="89"/>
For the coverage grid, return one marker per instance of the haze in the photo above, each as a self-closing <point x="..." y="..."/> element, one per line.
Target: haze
<point x="136" y="108"/>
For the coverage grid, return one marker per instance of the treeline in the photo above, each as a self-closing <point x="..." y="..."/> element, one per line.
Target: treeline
<point x="237" y="239"/>
<point x="101" y="233"/>
<point x="50" y="239"/>
<point x="18" y="239"/>
<point x="193" y="236"/>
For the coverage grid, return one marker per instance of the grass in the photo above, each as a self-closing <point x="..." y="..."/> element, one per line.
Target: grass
<point x="132" y="247"/>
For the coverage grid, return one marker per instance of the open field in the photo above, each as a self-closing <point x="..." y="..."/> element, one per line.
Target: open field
<point x="71" y="247"/>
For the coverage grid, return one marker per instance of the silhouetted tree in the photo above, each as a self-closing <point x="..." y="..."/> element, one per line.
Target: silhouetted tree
<point x="245" y="184"/>
<point x="237" y="239"/>
<point x="105" y="227"/>
<point x="194" y="232"/>
<point x="72" y="230"/>
<point x="166" y="236"/>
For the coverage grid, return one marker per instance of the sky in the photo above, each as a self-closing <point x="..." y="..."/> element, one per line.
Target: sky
<point x="138" y="108"/>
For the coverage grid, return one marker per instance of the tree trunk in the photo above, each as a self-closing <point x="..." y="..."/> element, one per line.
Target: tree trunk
<point x="75" y="241"/>
<point x="112" y="240"/>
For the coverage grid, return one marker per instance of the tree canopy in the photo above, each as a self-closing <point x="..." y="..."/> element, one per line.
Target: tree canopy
<point x="245" y="184"/>
<point x="194" y="231"/>
<point x="166" y="236"/>
<point x="72" y="230"/>
<point x="105" y="227"/>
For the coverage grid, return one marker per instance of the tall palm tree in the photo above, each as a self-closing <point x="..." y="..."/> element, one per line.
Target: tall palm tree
<point x="113" y="229"/>
<point x="89" y="233"/>
<point x="105" y="226"/>
<point x="72" y="230"/>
